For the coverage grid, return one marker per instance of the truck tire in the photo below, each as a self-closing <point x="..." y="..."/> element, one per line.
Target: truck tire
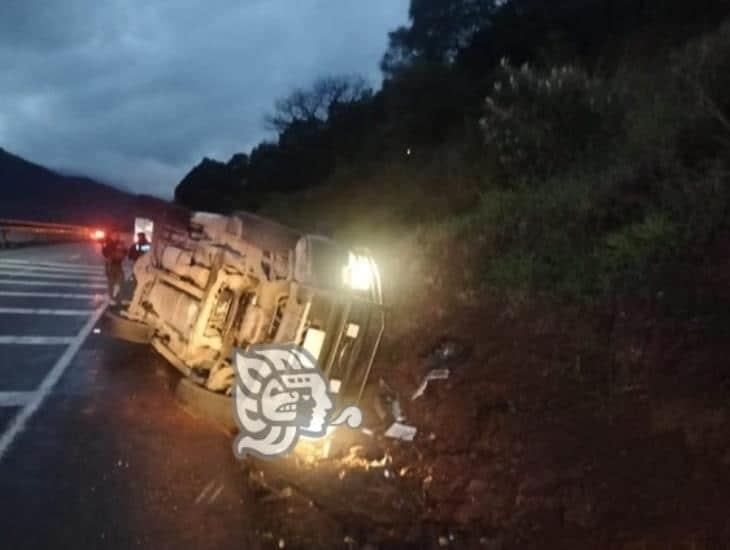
<point x="126" y="329"/>
<point x="203" y="403"/>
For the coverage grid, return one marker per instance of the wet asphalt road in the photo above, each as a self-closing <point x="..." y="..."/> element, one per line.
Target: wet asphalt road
<point x="94" y="451"/>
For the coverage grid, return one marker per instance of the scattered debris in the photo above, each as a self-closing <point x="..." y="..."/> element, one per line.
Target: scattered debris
<point x="210" y="492"/>
<point x="447" y="351"/>
<point x="435" y="374"/>
<point x="404" y="432"/>
<point x="396" y="410"/>
<point x="286" y="492"/>
<point x="355" y="459"/>
<point x="387" y="403"/>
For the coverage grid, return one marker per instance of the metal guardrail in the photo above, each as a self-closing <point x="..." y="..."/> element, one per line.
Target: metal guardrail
<point x="18" y="232"/>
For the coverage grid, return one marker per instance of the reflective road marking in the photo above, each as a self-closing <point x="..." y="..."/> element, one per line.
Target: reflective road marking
<point x="15" y="268"/>
<point x="20" y="294"/>
<point x="15" y="398"/>
<point x="36" y="340"/>
<point x="18" y="423"/>
<point x="32" y="274"/>
<point x="36" y="311"/>
<point x="29" y="263"/>
<point x="50" y="283"/>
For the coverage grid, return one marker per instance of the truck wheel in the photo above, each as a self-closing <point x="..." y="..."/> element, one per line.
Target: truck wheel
<point x="126" y="329"/>
<point x="206" y="404"/>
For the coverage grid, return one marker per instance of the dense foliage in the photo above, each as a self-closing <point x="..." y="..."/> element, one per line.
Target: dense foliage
<point x="579" y="147"/>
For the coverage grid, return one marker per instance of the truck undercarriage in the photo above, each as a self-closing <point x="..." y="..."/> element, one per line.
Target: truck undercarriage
<point x="235" y="281"/>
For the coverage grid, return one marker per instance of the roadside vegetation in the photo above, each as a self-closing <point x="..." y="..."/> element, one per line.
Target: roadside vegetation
<point x="580" y="152"/>
<point x="547" y="189"/>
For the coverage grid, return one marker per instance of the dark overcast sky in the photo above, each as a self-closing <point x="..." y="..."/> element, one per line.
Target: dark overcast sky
<point x="135" y="92"/>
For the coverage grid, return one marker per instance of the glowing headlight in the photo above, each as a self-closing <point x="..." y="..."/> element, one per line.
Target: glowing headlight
<point x="358" y="273"/>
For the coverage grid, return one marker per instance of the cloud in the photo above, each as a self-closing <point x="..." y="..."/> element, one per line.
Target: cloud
<point x="136" y="92"/>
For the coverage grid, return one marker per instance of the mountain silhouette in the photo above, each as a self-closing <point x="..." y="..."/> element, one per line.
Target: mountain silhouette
<point x="29" y="191"/>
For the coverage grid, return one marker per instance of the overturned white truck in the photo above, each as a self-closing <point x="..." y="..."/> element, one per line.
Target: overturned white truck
<point x="234" y="281"/>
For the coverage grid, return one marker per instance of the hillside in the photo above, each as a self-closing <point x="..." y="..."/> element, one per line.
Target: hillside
<point x="548" y="191"/>
<point x="29" y="191"/>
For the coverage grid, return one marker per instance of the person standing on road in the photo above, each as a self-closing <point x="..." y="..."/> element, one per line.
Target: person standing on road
<point x="114" y="253"/>
<point x="141" y="247"/>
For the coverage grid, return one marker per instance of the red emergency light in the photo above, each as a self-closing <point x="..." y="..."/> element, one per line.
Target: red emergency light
<point x="98" y="234"/>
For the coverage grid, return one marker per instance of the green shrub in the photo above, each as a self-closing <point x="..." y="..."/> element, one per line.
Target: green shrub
<point x="702" y="75"/>
<point x="630" y="257"/>
<point x="554" y="239"/>
<point x="616" y="186"/>
<point x="537" y="123"/>
<point x="538" y="237"/>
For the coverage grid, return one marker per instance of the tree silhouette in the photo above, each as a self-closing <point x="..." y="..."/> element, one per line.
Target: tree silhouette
<point x="314" y="104"/>
<point x="438" y="31"/>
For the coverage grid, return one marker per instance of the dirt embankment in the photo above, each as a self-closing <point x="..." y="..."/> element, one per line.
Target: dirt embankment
<point x="558" y="427"/>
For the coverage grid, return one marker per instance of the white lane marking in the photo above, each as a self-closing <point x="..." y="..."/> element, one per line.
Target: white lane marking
<point x="18" y="423"/>
<point x="43" y="311"/>
<point x="50" y="283"/>
<point x="33" y="275"/>
<point x="36" y="269"/>
<point x="35" y="340"/>
<point x="20" y="294"/>
<point x="15" y="398"/>
<point x="48" y="264"/>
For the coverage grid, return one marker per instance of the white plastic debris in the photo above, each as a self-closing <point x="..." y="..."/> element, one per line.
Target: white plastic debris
<point x="397" y="411"/>
<point x="435" y="374"/>
<point x="404" y="432"/>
